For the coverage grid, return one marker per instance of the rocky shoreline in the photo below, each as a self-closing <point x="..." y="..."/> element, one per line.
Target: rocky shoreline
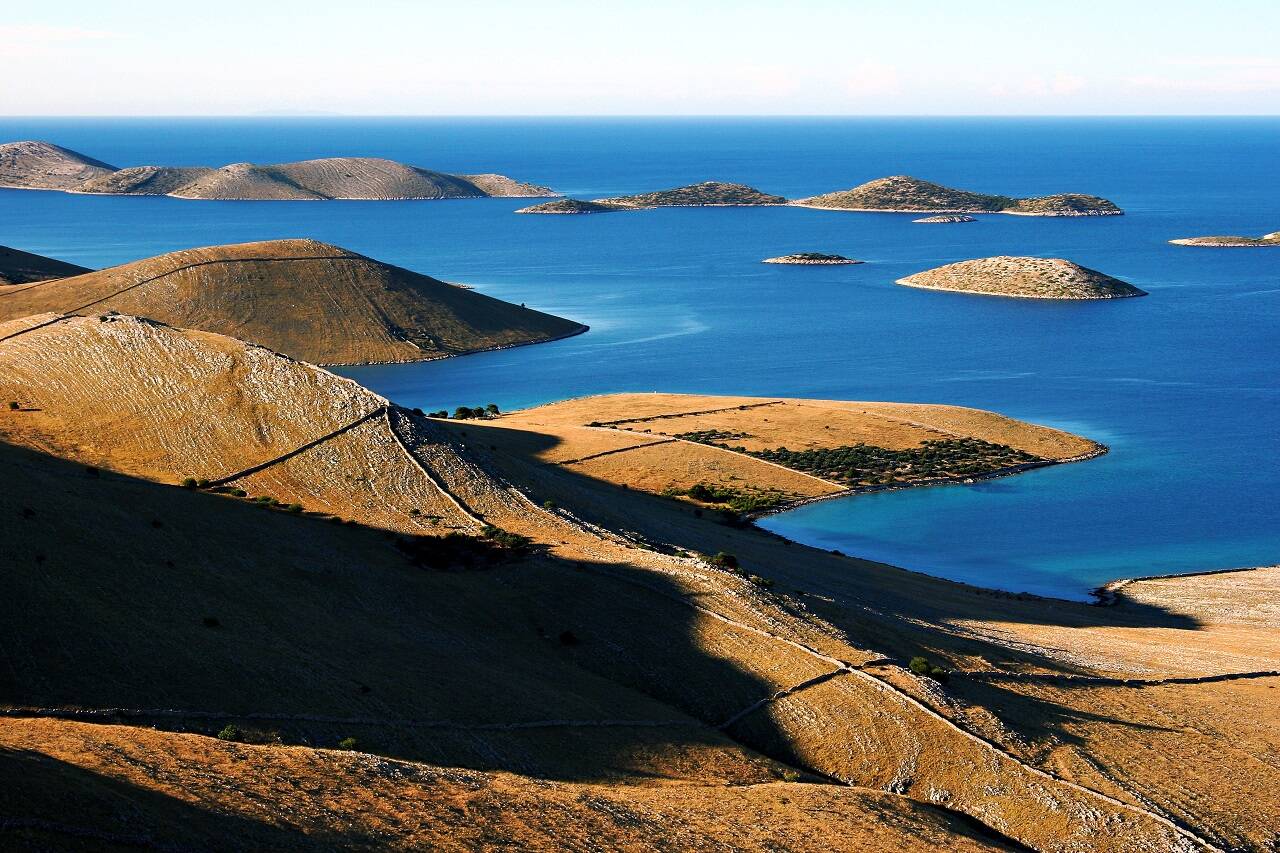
<point x="946" y="219"/>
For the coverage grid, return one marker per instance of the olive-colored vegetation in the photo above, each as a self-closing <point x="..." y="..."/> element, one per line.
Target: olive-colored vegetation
<point x="735" y="499"/>
<point x="868" y="465"/>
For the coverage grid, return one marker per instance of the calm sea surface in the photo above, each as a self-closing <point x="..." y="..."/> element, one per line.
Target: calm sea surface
<point x="1182" y="384"/>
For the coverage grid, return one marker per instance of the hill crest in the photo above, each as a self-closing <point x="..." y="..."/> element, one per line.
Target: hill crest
<point x="307" y="299"/>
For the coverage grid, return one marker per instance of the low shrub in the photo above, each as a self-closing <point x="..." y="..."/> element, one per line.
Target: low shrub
<point x="921" y="666"/>
<point x="724" y="560"/>
<point x="347" y="743"/>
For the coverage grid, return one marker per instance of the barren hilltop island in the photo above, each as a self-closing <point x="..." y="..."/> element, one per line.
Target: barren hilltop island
<point x="905" y="194"/>
<point x="1023" y="277"/>
<point x="811" y="259"/>
<point x="1230" y="242"/>
<point x="44" y="166"/>
<point x="303" y="298"/>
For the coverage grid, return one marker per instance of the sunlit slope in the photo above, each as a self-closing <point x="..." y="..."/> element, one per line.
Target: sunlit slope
<point x="608" y="653"/>
<point x="198" y="793"/>
<point x="307" y="299"/>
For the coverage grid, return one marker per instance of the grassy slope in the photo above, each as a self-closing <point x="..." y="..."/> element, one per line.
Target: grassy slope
<point x="306" y="299"/>
<point x="329" y="632"/>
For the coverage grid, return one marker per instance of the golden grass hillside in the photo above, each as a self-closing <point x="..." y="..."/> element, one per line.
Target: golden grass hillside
<point x="307" y="299"/>
<point x="609" y="653"/>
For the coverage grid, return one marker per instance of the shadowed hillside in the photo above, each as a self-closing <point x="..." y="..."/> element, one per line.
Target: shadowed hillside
<point x="18" y="267"/>
<point x="602" y="650"/>
<point x="307" y="299"/>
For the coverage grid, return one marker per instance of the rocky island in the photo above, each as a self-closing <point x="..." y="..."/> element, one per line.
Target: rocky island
<point x="303" y="298"/>
<point x="41" y="165"/>
<point x="811" y="258"/>
<point x="705" y="194"/>
<point x="905" y="194"/>
<point x="947" y="218"/>
<point x="572" y="205"/>
<point x="1023" y="277"/>
<point x="1230" y="242"/>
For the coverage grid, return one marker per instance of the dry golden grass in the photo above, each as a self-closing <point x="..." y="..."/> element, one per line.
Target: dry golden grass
<point x="307" y="299"/>
<point x="609" y="657"/>
<point x="131" y="784"/>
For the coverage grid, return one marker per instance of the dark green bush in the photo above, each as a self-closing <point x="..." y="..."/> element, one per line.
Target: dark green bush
<point x="724" y="560"/>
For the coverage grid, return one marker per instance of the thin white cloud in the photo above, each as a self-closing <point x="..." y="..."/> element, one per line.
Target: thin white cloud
<point x="43" y="40"/>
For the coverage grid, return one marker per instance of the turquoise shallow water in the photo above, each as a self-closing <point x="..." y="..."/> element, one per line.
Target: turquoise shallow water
<point x="1181" y="384"/>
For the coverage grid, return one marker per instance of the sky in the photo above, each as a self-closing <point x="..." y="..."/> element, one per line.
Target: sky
<point x="652" y="57"/>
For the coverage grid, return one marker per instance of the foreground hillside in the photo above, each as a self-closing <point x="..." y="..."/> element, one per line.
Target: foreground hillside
<point x="19" y="267"/>
<point x="304" y="298"/>
<point x="41" y="165"/>
<point x="604" y="675"/>
<point x="903" y="193"/>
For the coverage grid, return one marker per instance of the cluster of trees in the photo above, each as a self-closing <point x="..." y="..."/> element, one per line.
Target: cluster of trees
<point x="709" y="436"/>
<point x="464" y="413"/>
<point x="865" y="464"/>
<point x="735" y="499"/>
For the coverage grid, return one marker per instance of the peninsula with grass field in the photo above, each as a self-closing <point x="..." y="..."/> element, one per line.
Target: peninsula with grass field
<point x="811" y="259"/>
<point x="43" y="165"/>
<point x="752" y="455"/>
<point x="905" y="194"/>
<point x="1023" y="278"/>
<point x="1230" y="242"/>
<point x="309" y="300"/>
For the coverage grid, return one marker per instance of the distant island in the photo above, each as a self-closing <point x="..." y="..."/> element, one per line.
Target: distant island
<point x="44" y="166"/>
<point x="705" y="194"/>
<point x="572" y="205"/>
<point x="1230" y="242"/>
<point x="303" y="298"/>
<point x="811" y="258"/>
<point x="905" y="194"/>
<point x="18" y="267"/>
<point x="1023" y="277"/>
<point x="947" y="218"/>
<point x="895" y="194"/>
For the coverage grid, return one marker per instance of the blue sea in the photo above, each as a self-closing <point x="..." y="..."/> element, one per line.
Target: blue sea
<point x="1182" y="384"/>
